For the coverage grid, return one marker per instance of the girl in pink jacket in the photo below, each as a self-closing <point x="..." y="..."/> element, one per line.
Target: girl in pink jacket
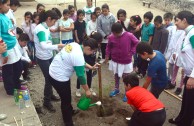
<point x="121" y="47"/>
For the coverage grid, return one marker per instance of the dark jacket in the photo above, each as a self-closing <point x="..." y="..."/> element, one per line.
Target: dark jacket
<point x="160" y="39"/>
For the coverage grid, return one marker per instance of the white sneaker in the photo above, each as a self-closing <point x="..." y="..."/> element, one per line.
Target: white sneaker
<point x="78" y="94"/>
<point x="102" y="61"/>
<point x="93" y="93"/>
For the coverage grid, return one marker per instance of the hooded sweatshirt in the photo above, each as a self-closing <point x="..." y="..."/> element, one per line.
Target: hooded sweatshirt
<point x="121" y="48"/>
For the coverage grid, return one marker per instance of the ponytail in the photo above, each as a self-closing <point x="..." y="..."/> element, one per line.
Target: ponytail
<point x="45" y="14"/>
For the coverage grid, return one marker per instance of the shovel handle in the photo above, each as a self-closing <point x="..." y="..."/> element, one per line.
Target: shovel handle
<point x="100" y="83"/>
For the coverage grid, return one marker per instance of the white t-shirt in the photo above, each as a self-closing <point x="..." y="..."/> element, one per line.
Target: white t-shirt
<point x="55" y="26"/>
<point x="43" y="42"/>
<point x="27" y="29"/>
<point x="10" y="15"/>
<point x="66" y="24"/>
<point x="88" y="12"/>
<point x="24" y="54"/>
<point x="187" y="52"/>
<point x="91" y="26"/>
<point x="62" y="66"/>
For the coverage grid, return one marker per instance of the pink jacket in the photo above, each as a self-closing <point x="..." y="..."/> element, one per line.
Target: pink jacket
<point x="122" y="48"/>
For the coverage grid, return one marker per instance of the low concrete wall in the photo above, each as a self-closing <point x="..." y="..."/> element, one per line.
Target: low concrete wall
<point x="173" y="6"/>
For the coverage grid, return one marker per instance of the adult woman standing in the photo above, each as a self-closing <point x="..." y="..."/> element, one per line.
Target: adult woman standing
<point x="44" y="48"/>
<point x="68" y="60"/>
<point x="184" y="21"/>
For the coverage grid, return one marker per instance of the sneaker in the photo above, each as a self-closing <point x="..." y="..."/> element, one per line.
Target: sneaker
<point x="78" y="94"/>
<point x="114" y="92"/>
<point x="49" y="107"/>
<point x="92" y="91"/>
<point x="125" y="99"/>
<point x="172" y="121"/>
<point x="55" y="98"/>
<point x="178" y="91"/>
<point x="23" y="82"/>
<point x="171" y="86"/>
<point x="140" y="76"/>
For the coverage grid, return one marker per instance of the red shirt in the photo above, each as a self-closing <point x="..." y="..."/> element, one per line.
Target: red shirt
<point x="143" y="100"/>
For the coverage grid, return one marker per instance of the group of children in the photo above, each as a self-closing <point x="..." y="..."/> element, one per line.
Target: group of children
<point x="45" y="33"/>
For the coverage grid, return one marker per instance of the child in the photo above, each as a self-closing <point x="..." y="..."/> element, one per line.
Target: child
<point x="184" y="21"/>
<point x="72" y="13"/>
<point x="80" y="27"/>
<point x="11" y="71"/>
<point x="39" y="8"/>
<point x="14" y="4"/>
<point x="66" y="26"/>
<point x="121" y="45"/>
<point x="88" y="9"/>
<point x="97" y="11"/>
<point x="157" y="75"/>
<point x="160" y="38"/>
<point x="147" y="32"/>
<point x="135" y="22"/>
<point x="23" y="39"/>
<point x="92" y="24"/>
<point x="55" y="33"/>
<point x="121" y="16"/>
<point x="28" y="29"/>
<point x="104" y="24"/>
<point x="35" y="22"/>
<point x="148" y="111"/>
<point x="90" y="59"/>
<point x="44" y="54"/>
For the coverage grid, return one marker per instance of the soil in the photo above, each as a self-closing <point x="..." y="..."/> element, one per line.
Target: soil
<point x="117" y="110"/>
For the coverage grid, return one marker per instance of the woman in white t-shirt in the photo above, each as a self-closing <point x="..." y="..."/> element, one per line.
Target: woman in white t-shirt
<point x="68" y="60"/>
<point x="66" y="27"/>
<point x="44" y="48"/>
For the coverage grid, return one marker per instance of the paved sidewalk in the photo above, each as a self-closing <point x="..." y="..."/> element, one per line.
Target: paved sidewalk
<point x="8" y="107"/>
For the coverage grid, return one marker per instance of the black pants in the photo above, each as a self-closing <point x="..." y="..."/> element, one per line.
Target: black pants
<point x="25" y="65"/>
<point x="64" y="91"/>
<point x="11" y="74"/>
<point x="155" y="118"/>
<point x="103" y="50"/>
<point x="44" y="66"/>
<point x="186" y="115"/>
<point x="89" y="79"/>
<point x="142" y="65"/>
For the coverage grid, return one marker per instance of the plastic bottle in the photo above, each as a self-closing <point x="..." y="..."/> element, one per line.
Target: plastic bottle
<point x="16" y="96"/>
<point x="21" y="104"/>
<point x="26" y="98"/>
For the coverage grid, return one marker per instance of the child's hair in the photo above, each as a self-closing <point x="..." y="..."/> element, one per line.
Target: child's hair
<point x="70" y="7"/>
<point x="168" y="15"/>
<point x="34" y="16"/>
<point x="15" y="3"/>
<point x="92" y="43"/>
<point x="105" y="6"/>
<point x="137" y="19"/>
<point x="117" y="28"/>
<point x="24" y="37"/>
<point x="93" y="14"/>
<point x="187" y="15"/>
<point x="158" y="19"/>
<point x="121" y="11"/>
<point x="144" y="47"/>
<point x="57" y="11"/>
<point x="80" y="12"/>
<point x="3" y="1"/>
<point x="28" y="13"/>
<point x="97" y="36"/>
<point x="19" y="31"/>
<point x="148" y="15"/>
<point x="39" y="5"/>
<point x="45" y="14"/>
<point x="131" y="79"/>
<point x="96" y="9"/>
<point x="65" y="11"/>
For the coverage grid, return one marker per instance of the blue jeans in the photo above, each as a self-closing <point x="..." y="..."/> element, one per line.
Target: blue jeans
<point x="156" y="91"/>
<point x="67" y="41"/>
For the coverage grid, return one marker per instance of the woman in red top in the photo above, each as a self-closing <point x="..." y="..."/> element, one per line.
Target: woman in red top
<point x="148" y="111"/>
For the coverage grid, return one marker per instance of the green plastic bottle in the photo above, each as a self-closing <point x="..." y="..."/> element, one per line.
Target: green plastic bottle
<point x="16" y="96"/>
